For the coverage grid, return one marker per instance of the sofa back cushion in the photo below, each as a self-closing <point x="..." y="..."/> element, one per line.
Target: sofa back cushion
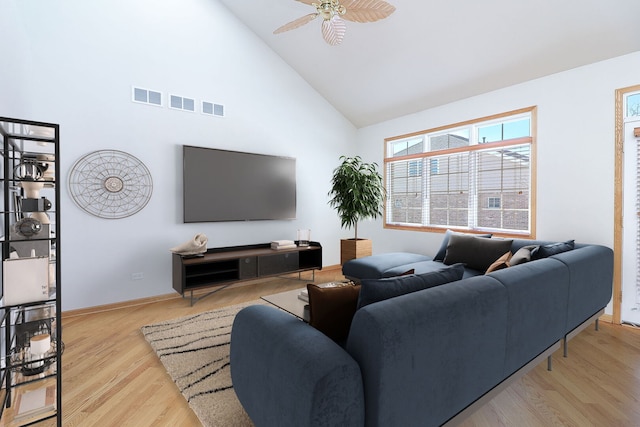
<point x="429" y="354"/>
<point x="475" y="252"/>
<point x="538" y="302"/>
<point x="545" y="251"/>
<point x="374" y="290"/>
<point x="439" y="256"/>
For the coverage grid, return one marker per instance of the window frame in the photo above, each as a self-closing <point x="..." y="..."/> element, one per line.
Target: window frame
<point x="473" y="124"/>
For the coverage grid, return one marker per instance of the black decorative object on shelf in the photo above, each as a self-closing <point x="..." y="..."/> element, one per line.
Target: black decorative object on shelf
<point x="23" y="361"/>
<point x="27" y="227"/>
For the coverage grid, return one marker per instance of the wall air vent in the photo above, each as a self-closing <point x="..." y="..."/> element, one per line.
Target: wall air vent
<point x="180" y="103"/>
<point x="212" y="109"/>
<point x="146" y="96"/>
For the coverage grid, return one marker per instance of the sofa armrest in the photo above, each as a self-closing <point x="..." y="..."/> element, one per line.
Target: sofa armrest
<point x="591" y="281"/>
<point x="287" y="373"/>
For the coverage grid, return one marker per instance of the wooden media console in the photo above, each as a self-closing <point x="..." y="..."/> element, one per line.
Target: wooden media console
<point x="221" y="267"/>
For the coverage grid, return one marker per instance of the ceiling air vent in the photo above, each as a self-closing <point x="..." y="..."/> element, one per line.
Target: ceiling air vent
<point x="146" y="96"/>
<point x="212" y="109"/>
<point x="180" y="103"/>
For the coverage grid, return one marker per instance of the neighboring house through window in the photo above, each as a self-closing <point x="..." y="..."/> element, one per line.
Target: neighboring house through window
<point x="475" y="175"/>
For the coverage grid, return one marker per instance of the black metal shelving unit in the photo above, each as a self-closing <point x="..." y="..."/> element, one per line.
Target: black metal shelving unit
<point x="30" y="308"/>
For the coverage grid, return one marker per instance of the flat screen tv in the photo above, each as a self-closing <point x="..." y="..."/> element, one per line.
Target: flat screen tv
<point x="223" y="185"/>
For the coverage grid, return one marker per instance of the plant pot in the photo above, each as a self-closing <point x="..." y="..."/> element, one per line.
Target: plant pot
<point x="354" y="248"/>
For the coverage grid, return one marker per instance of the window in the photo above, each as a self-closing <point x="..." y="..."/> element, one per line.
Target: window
<point x="633" y="105"/>
<point x="475" y="175"/>
<point x="493" y="203"/>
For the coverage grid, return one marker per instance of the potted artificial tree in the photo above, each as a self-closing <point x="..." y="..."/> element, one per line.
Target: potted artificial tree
<point x="357" y="193"/>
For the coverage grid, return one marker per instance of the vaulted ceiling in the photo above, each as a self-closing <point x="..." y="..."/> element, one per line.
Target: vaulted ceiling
<point x="429" y="52"/>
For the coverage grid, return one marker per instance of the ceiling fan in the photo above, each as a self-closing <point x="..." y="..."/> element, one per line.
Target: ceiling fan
<point x="333" y="12"/>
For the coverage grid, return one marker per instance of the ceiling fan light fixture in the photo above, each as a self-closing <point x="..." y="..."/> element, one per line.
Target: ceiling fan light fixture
<point x="331" y="11"/>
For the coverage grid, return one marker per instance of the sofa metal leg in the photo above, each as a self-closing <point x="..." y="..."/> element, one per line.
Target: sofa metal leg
<point x="549" y="364"/>
<point x="597" y="324"/>
<point x="566" y="349"/>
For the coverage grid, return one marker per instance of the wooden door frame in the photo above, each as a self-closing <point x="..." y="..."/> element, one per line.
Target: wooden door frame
<point x="618" y="201"/>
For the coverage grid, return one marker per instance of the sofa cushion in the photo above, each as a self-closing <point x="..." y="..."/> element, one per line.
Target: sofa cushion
<point x="374" y="266"/>
<point x="500" y="263"/>
<point x="545" y="251"/>
<point x="331" y="309"/>
<point x="374" y="290"/>
<point x="427" y="355"/>
<point x="475" y="252"/>
<point x="523" y="254"/>
<point x="423" y="267"/>
<point x="445" y="242"/>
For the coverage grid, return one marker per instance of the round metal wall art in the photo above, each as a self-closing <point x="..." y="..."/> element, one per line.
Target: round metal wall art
<point x="110" y="184"/>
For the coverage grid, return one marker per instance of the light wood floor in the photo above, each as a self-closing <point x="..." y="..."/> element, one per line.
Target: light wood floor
<point x="111" y="377"/>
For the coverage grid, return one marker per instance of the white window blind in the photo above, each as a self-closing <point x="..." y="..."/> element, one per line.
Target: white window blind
<point x="475" y="176"/>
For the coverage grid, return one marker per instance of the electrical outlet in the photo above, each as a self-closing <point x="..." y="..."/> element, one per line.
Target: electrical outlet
<point x="137" y="276"/>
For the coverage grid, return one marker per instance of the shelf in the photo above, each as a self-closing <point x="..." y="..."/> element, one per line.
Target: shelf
<point x="31" y="334"/>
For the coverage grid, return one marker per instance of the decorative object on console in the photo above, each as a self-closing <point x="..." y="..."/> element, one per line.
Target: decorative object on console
<point x="283" y="244"/>
<point x="357" y="193"/>
<point x="194" y="246"/>
<point x="304" y="236"/>
<point x="333" y="12"/>
<point x="110" y="184"/>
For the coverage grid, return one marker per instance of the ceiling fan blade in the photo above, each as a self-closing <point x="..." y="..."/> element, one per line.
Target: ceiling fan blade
<point x="309" y="2"/>
<point x="296" y="23"/>
<point x="333" y="30"/>
<point x="367" y="10"/>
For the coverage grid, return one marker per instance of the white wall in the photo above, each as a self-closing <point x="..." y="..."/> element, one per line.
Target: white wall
<point x="85" y="56"/>
<point x="73" y="63"/>
<point x="575" y="150"/>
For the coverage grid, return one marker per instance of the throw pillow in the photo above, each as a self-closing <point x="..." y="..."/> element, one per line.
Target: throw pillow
<point x="374" y="290"/>
<point x="439" y="256"/>
<point x="500" y="263"/>
<point x="331" y="309"/>
<point x="476" y="253"/>
<point x="523" y="254"/>
<point x="545" y="251"/>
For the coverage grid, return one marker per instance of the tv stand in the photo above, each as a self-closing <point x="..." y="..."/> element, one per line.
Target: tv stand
<point x="222" y="267"/>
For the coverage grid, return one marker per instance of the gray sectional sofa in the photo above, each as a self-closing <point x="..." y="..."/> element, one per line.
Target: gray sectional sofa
<point x="426" y="358"/>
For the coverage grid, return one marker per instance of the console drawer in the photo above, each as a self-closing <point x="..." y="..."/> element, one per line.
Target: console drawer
<point x="278" y="263"/>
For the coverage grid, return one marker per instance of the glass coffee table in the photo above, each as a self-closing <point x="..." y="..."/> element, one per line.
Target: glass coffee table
<point x="289" y="302"/>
